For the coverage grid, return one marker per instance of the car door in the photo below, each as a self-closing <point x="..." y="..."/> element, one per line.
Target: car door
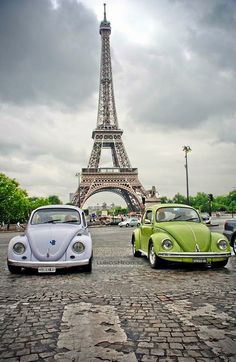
<point x="146" y="230"/>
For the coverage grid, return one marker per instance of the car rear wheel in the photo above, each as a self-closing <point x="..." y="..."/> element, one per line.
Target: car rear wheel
<point x="13" y="269"/>
<point x="152" y="257"/>
<point x="219" y="264"/>
<point x="136" y="253"/>
<point x="127" y="225"/>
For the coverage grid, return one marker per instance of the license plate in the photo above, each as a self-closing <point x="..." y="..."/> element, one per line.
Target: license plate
<point x="199" y="260"/>
<point x="47" y="269"/>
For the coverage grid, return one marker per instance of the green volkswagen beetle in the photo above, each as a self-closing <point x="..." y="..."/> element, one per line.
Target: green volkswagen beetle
<point x="176" y="233"/>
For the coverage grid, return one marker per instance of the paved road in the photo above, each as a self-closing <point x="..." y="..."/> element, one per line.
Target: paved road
<point x="122" y="311"/>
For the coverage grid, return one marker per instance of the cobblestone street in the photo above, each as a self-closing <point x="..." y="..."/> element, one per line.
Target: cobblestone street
<point x="122" y="311"/>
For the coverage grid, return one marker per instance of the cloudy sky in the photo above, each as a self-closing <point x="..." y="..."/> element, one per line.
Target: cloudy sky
<point x="174" y="70"/>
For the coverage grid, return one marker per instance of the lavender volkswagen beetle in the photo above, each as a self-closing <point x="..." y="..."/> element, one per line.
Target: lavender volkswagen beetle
<point x="56" y="237"/>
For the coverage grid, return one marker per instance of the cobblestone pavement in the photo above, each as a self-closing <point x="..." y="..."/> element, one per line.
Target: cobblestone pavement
<point x="122" y="311"/>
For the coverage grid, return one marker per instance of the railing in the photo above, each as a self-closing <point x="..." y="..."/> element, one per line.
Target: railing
<point x="109" y="170"/>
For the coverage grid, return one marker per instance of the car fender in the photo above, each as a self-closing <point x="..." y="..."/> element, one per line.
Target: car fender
<point x="86" y="240"/>
<point x="22" y="239"/>
<point x="136" y="236"/>
<point x="157" y="238"/>
<point x="215" y="237"/>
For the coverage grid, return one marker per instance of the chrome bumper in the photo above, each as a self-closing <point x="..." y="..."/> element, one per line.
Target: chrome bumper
<point x="193" y="255"/>
<point x="42" y="264"/>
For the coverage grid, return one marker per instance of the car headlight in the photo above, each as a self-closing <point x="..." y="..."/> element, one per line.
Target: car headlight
<point x="222" y="244"/>
<point x="19" y="248"/>
<point x="167" y="244"/>
<point x="78" y="247"/>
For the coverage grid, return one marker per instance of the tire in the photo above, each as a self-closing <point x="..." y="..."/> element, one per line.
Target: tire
<point x="152" y="257"/>
<point x="138" y="224"/>
<point x="14" y="269"/>
<point x="127" y="225"/>
<point x="136" y="253"/>
<point x="233" y="243"/>
<point x="219" y="264"/>
<point x="88" y="267"/>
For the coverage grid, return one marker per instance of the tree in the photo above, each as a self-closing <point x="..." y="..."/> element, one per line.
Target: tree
<point x="232" y="196"/>
<point x="232" y="208"/>
<point x="35" y="202"/>
<point x="54" y="200"/>
<point x="164" y="200"/>
<point x="179" y="199"/>
<point x="14" y="205"/>
<point x="201" y="202"/>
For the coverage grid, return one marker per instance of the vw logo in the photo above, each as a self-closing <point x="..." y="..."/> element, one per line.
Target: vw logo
<point x="52" y="242"/>
<point x="197" y="249"/>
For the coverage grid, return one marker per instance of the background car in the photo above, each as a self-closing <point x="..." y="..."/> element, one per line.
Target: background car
<point x="56" y="237"/>
<point x="230" y="232"/>
<point x="176" y="233"/>
<point x="206" y="218"/>
<point x="133" y="221"/>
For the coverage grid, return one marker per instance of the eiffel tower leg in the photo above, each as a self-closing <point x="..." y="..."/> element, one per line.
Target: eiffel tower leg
<point x="95" y="155"/>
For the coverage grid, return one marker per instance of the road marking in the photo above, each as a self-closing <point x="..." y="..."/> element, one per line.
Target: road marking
<point x="88" y="330"/>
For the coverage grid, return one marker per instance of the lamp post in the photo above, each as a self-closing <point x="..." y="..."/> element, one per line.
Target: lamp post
<point x="78" y="175"/>
<point x="186" y="150"/>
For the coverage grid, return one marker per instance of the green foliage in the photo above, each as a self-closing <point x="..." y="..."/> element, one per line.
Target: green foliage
<point x="119" y="211"/>
<point x="37" y="202"/>
<point x="179" y="199"/>
<point x="54" y="200"/>
<point x="14" y="204"/>
<point x="164" y="200"/>
<point x="200" y="202"/>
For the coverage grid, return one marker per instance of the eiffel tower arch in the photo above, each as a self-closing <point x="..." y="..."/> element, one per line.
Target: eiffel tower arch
<point x="121" y="178"/>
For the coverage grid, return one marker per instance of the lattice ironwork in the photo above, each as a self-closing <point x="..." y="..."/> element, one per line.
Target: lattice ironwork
<point x="121" y="178"/>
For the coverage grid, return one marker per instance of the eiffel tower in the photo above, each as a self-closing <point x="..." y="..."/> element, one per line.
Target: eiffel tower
<point x="121" y="179"/>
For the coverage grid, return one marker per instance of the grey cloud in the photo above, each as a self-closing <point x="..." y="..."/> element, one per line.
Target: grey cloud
<point x="47" y="55"/>
<point x="187" y="75"/>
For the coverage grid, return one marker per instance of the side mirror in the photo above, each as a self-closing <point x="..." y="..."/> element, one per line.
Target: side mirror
<point x="147" y="221"/>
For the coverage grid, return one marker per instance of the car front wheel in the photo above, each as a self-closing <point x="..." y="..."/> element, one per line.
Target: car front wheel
<point x="152" y="257"/>
<point x="219" y="264"/>
<point x="88" y="267"/>
<point x="127" y="225"/>
<point x="234" y="244"/>
<point x="13" y="269"/>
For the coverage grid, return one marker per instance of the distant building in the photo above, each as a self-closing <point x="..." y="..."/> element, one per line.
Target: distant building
<point x="71" y="196"/>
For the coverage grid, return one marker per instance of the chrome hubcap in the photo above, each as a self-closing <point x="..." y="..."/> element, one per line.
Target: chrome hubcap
<point x="134" y="249"/>
<point x="152" y="255"/>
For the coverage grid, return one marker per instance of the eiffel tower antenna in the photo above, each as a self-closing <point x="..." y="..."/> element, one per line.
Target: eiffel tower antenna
<point x="121" y="178"/>
<point x="105" y="18"/>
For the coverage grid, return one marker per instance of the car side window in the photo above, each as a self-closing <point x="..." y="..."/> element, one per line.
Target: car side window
<point x="148" y="217"/>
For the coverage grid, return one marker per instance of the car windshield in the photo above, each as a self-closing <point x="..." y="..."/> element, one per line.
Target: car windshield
<point x="46" y="216"/>
<point x="177" y="214"/>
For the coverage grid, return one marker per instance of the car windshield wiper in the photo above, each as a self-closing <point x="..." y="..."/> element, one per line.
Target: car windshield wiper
<point x="50" y="221"/>
<point x="175" y="218"/>
<point x="68" y="221"/>
<point x="191" y="218"/>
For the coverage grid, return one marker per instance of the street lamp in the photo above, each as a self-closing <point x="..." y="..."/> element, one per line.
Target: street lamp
<point x="186" y="150"/>
<point x="78" y="175"/>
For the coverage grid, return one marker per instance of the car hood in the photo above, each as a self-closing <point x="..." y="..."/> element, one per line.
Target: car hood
<point x="188" y="234"/>
<point x="49" y="242"/>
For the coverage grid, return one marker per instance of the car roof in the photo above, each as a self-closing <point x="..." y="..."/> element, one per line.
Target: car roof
<point x="69" y="207"/>
<point x="157" y="206"/>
